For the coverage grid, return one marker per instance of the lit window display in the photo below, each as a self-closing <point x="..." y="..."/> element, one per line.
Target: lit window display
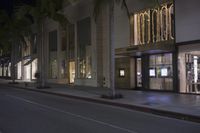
<point x="34" y="68"/>
<point x="84" y="49"/>
<point x="71" y="71"/>
<point x="53" y="69"/>
<point x="161" y="72"/>
<point x="9" y="69"/>
<point x="189" y="70"/>
<point x="19" y="70"/>
<point x="154" y="25"/>
<point x="27" y="70"/>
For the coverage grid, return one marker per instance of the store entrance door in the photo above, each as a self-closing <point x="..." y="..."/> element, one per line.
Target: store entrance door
<point x="192" y="73"/>
<point x="71" y="72"/>
<point x="138" y="72"/>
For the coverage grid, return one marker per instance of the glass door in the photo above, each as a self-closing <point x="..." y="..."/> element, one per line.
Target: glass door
<point x="138" y="72"/>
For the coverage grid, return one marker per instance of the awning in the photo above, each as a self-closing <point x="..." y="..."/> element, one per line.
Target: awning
<point x="29" y="62"/>
<point x="138" y="50"/>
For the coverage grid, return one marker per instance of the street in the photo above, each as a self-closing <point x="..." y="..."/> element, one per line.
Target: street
<point x="24" y="111"/>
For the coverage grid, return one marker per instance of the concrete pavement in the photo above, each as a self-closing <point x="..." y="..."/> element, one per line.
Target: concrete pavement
<point x="181" y="106"/>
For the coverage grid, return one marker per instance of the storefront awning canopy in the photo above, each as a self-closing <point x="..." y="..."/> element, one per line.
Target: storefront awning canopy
<point x="30" y="61"/>
<point x="138" y="50"/>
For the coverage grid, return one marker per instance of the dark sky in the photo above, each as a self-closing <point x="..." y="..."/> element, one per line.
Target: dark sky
<point x="8" y="5"/>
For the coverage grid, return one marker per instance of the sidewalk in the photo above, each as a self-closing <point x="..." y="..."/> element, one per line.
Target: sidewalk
<point x="180" y="106"/>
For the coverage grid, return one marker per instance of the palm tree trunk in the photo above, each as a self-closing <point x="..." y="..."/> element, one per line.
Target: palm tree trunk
<point x="13" y="63"/>
<point x="42" y="63"/>
<point x="112" y="48"/>
<point x="41" y="56"/>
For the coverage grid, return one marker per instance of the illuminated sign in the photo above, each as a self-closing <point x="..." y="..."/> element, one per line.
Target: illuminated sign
<point x="164" y="72"/>
<point x="152" y="72"/>
<point x="122" y="73"/>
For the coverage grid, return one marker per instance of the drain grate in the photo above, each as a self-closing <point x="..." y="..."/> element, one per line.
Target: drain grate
<point x="150" y="103"/>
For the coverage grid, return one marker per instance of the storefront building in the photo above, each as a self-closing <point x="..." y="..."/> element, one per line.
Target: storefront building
<point x="26" y="60"/>
<point x="152" y="48"/>
<point x="155" y="49"/>
<point x="188" y="45"/>
<point x="163" y="52"/>
<point x="5" y="67"/>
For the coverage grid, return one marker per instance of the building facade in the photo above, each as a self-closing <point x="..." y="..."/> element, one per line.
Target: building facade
<point x="163" y="50"/>
<point x="156" y="47"/>
<point x="151" y="53"/>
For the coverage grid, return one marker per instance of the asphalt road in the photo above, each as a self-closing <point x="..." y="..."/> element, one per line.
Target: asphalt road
<point x="24" y="111"/>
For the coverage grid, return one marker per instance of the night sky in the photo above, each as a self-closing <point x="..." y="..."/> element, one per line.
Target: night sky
<point x="8" y="5"/>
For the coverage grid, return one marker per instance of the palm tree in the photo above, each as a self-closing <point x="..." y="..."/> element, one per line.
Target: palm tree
<point x="13" y="32"/>
<point x="38" y="12"/>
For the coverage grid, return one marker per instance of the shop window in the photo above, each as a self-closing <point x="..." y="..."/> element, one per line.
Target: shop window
<point x="34" y="68"/>
<point x="53" y="40"/>
<point x="189" y="67"/>
<point x="53" y="64"/>
<point x="121" y="72"/>
<point x="161" y="72"/>
<point x="84" y="50"/>
<point x="53" y="69"/>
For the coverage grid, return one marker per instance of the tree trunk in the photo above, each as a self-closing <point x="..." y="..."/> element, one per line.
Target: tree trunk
<point x="13" y="63"/>
<point x="42" y="54"/>
<point x="41" y="63"/>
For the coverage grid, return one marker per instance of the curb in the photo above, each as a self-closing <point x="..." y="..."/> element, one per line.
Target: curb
<point x="170" y="114"/>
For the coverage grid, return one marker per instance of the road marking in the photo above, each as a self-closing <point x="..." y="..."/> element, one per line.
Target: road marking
<point x="72" y="114"/>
